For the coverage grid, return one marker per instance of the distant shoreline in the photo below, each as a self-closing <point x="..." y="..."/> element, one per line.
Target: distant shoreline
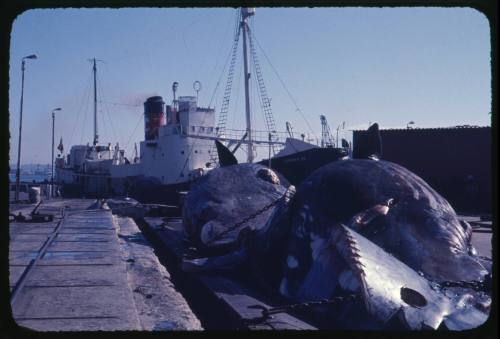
<point x="30" y="178"/>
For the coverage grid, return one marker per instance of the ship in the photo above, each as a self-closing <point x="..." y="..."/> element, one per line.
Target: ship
<point x="178" y="146"/>
<point x="168" y="160"/>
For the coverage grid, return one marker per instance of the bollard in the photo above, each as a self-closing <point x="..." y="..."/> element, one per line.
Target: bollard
<point x="34" y="194"/>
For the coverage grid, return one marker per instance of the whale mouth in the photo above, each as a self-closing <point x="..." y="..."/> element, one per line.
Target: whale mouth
<point x="214" y="234"/>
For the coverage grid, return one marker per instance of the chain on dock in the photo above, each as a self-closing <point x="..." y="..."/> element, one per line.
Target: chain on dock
<point x="268" y="312"/>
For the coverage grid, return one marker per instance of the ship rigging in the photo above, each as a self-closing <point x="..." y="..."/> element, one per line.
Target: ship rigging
<point x="178" y="145"/>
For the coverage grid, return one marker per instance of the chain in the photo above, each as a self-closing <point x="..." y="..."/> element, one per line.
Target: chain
<point x="476" y="285"/>
<point x="268" y="312"/>
<point x="248" y="218"/>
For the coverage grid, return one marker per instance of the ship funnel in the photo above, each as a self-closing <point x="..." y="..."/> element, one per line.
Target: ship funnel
<point x="154" y="117"/>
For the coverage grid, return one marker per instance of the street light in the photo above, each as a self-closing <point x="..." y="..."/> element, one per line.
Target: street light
<point x="52" y="171"/>
<point x="18" y="170"/>
<point x="410" y="123"/>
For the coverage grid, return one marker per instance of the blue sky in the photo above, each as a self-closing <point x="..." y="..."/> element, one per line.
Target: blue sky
<point x="358" y="65"/>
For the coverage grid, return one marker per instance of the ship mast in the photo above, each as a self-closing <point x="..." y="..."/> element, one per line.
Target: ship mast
<point x="245" y="13"/>
<point x="94" y="70"/>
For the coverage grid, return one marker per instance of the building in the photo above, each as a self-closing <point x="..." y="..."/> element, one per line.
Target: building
<point x="455" y="161"/>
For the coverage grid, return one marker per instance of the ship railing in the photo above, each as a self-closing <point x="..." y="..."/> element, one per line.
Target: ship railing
<point x="259" y="138"/>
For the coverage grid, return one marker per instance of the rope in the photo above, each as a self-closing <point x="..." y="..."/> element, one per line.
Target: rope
<point x="220" y="78"/>
<point x="131" y="135"/>
<point x="104" y="130"/>
<point x="116" y="103"/>
<point x="225" y="104"/>
<point x="106" y="111"/>
<point x="85" y="117"/>
<point x="87" y="90"/>
<point x="284" y="86"/>
<point x="237" y="97"/>
<point x="218" y="58"/>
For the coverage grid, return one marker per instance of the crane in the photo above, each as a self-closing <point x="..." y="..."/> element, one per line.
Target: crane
<point x="326" y="135"/>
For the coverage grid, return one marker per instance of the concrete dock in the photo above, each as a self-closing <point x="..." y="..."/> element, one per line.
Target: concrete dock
<point x="90" y="270"/>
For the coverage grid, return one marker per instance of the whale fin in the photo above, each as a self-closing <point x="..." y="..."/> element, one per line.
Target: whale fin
<point x="345" y="143"/>
<point x="226" y="158"/>
<point x="369" y="144"/>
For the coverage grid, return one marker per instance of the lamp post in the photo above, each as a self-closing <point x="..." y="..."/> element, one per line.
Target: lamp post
<point x="18" y="170"/>
<point x="52" y="171"/>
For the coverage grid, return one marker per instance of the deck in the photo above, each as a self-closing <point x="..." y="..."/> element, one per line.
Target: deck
<point x="90" y="270"/>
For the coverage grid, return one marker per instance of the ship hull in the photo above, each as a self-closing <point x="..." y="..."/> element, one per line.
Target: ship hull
<point x="147" y="191"/>
<point x="144" y="190"/>
<point x="294" y="167"/>
<point x="297" y="166"/>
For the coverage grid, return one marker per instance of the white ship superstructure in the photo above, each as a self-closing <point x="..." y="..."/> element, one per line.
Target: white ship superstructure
<point x="176" y="150"/>
<point x="168" y="153"/>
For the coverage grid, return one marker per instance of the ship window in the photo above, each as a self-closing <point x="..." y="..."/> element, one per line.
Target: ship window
<point x="182" y="152"/>
<point x="202" y="129"/>
<point x="192" y="128"/>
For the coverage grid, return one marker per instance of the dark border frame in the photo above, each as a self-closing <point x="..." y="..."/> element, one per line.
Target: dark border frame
<point x="10" y="11"/>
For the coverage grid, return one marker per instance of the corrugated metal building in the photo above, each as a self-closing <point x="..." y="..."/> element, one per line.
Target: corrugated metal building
<point x="455" y="161"/>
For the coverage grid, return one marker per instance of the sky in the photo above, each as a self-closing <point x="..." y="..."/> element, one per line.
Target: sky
<point x="356" y="66"/>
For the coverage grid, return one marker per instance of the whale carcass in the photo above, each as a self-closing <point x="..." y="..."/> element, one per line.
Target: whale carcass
<point x="374" y="228"/>
<point x="361" y="227"/>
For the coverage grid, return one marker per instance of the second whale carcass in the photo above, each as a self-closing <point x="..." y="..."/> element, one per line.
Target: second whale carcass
<point x="373" y="228"/>
<point x="362" y="227"/>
